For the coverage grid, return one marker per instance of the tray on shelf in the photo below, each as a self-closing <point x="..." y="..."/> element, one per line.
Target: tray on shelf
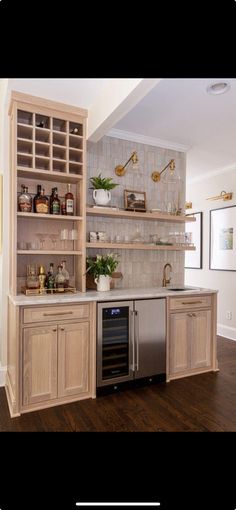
<point x="36" y="292"/>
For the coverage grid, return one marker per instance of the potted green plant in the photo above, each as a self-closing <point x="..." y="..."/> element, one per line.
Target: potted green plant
<point x="101" y="268"/>
<point x="101" y="189"/>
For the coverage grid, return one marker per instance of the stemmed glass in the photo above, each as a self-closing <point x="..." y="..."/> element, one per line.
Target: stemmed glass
<point x="42" y="238"/>
<point x="53" y="238"/>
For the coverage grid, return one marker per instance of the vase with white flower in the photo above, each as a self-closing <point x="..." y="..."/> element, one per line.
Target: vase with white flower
<point x="101" y="268"/>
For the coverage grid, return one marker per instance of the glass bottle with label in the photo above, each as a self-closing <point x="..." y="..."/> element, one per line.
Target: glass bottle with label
<point x="69" y="199"/>
<point x="25" y="200"/>
<point x="51" y="277"/>
<point x="65" y="273"/>
<point x="39" y="187"/>
<point x="32" y="280"/>
<point x="42" y="203"/>
<point x="60" y="280"/>
<point x="55" y="205"/>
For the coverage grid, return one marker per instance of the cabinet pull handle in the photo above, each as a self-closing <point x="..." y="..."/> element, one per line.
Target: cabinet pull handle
<point x="190" y="314"/>
<point x="191" y="302"/>
<point x="62" y="329"/>
<point x="193" y="315"/>
<point x="56" y="313"/>
<point x="54" y="329"/>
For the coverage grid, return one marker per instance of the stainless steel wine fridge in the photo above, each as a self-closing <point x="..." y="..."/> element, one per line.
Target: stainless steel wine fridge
<point x="131" y="341"/>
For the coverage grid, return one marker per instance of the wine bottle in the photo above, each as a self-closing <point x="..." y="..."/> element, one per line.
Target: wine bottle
<point x="69" y="199"/>
<point x="54" y="202"/>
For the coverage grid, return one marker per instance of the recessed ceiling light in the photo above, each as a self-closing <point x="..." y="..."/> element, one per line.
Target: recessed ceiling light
<point x="218" y="88"/>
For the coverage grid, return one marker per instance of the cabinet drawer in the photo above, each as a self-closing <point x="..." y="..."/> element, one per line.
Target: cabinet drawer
<point x="183" y="303"/>
<point x="55" y="313"/>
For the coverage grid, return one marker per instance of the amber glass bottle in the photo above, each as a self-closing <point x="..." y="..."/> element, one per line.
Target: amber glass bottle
<point x="42" y="203"/>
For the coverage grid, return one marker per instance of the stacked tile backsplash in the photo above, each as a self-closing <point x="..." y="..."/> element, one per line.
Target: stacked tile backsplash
<point x="140" y="268"/>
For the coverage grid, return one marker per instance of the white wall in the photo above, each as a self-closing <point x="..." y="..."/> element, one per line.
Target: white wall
<point x="225" y="281"/>
<point x="4" y="256"/>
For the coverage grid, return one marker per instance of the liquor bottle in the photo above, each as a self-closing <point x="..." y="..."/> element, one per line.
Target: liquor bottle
<point x="25" y="200"/>
<point x="42" y="279"/>
<point x="39" y="187"/>
<point x="50" y="283"/>
<point x="54" y="202"/>
<point x="65" y="273"/>
<point x="32" y="280"/>
<point x="60" y="280"/>
<point x="69" y="199"/>
<point x="42" y="203"/>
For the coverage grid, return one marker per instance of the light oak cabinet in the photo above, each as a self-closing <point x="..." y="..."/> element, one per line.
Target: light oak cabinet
<point x="54" y="362"/>
<point x="192" y="336"/>
<point x="73" y="359"/>
<point x="39" y="364"/>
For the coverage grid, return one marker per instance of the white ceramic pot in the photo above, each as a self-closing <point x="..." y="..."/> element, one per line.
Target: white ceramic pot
<point x="103" y="283"/>
<point x="101" y="196"/>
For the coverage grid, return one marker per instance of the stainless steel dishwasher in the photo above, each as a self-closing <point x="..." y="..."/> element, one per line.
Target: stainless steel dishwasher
<point x="131" y="341"/>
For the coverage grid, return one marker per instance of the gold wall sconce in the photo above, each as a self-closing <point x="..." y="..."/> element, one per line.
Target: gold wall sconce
<point x="156" y="176"/>
<point x="223" y="196"/>
<point x="121" y="169"/>
<point x="188" y="205"/>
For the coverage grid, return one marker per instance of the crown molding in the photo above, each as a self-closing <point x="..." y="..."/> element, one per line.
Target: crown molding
<point x="147" y="140"/>
<point x="209" y="175"/>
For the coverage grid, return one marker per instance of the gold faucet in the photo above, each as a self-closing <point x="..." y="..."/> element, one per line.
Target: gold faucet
<point x="165" y="281"/>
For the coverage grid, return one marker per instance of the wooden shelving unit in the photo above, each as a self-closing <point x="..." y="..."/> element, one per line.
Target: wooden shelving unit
<point x="54" y="217"/>
<point x="140" y="246"/>
<point x="114" y="213"/>
<point x="44" y="151"/>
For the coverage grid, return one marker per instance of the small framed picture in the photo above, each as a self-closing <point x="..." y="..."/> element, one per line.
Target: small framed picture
<point x="223" y="239"/>
<point x="135" y="200"/>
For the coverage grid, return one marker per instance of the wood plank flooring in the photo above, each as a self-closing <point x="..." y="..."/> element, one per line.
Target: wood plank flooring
<point x="200" y="403"/>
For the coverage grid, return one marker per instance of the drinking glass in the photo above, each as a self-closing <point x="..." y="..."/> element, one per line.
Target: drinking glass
<point x="42" y="238"/>
<point x="64" y="237"/>
<point x="53" y="238"/>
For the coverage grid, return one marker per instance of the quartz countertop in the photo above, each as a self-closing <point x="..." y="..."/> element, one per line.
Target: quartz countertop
<point x="112" y="295"/>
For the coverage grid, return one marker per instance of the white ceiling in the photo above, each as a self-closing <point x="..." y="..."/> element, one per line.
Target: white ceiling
<point x="75" y="91"/>
<point x="178" y="111"/>
<point x="181" y="111"/>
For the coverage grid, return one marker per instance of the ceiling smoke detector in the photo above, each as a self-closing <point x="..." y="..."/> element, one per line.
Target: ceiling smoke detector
<point x="218" y="88"/>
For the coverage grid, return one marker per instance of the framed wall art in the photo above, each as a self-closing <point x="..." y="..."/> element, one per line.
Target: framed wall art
<point x="223" y="239"/>
<point x="135" y="200"/>
<point x="193" y="259"/>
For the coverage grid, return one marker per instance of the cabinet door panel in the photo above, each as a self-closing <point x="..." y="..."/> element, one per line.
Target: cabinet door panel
<point x="179" y="342"/>
<point x="201" y="339"/>
<point x="73" y="359"/>
<point x="39" y="364"/>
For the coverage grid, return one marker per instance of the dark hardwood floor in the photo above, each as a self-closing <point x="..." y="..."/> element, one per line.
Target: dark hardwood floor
<point x="199" y="403"/>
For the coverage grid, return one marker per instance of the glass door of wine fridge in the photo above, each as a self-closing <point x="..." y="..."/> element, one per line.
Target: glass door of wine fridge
<point x="115" y="349"/>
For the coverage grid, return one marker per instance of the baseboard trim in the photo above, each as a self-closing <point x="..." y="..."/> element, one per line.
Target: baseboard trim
<point x="3" y="371"/>
<point x="226" y="331"/>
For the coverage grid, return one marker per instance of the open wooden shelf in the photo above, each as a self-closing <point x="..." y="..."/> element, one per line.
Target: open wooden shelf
<point x="49" y="252"/>
<point x="139" y="246"/>
<point x="49" y="216"/>
<point x="114" y="213"/>
<point x="49" y="175"/>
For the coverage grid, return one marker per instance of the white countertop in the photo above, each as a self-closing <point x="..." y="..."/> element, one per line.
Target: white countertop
<point x="112" y="295"/>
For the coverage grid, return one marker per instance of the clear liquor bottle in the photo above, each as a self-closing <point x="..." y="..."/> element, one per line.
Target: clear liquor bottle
<point x="25" y="200"/>
<point x="60" y="280"/>
<point x="65" y="273"/>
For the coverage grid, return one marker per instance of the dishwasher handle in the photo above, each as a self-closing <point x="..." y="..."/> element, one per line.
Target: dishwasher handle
<point x="136" y="338"/>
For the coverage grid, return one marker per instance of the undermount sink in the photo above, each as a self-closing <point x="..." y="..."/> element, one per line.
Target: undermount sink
<point x="182" y="288"/>
<point x="178" y="289"/>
